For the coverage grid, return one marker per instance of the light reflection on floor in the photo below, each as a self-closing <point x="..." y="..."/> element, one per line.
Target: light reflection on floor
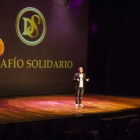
<point x="35" y="108"/>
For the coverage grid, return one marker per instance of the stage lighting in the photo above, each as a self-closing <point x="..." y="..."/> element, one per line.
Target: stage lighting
<point x="73" y="3"/>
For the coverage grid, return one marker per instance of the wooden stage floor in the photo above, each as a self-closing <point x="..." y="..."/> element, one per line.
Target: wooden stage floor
<point x="55" y="106"/>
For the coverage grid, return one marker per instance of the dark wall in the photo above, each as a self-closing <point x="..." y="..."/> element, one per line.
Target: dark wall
<point x="114" y="46"/>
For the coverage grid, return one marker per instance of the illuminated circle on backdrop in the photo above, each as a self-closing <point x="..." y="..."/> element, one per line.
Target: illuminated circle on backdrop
<point x="1" y="47"/>
<point x="31" y="26"/>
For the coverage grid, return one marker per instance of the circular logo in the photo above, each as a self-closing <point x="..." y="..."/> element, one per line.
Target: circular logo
<point x="30" y="26"/>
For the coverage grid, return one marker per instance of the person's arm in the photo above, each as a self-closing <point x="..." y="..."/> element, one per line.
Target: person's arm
<point x="85" y="78"/>
<point x="75" y="78"/>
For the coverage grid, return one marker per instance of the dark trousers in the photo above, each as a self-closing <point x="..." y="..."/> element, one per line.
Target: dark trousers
<point x="79" y="94"/>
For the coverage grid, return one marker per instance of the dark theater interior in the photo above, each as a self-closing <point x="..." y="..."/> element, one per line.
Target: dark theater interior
<point x="69" y="70"/>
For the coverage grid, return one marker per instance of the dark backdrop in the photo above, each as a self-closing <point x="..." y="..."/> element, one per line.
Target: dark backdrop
<point x="114" y="47"/>
<point x="65" y="40"/>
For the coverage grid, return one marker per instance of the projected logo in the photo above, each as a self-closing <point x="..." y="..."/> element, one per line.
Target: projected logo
<point x="30" y="26"/>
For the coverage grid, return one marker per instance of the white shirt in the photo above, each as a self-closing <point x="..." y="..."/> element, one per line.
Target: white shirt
<point x="81" y="80"/>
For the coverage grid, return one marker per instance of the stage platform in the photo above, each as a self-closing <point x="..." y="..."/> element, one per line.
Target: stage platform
<point x="58" y="106"/>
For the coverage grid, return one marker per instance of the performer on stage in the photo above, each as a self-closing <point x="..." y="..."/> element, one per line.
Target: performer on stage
<point x="79" y="79"/>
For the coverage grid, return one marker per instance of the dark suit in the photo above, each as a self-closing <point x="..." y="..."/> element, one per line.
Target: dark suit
<point x="76" y="76"/>
<point x="79" y="90"/>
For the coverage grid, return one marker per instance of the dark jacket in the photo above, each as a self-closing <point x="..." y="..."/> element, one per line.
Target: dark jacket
<point x="76" y="76"/>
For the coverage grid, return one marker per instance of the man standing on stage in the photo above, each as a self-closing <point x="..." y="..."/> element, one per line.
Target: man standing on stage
<point x="79" y="79"/>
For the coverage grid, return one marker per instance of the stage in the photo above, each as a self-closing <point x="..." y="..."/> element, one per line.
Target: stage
<point x="58" y="106"/>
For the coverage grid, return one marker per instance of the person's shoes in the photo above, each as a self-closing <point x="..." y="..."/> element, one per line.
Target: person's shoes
<point x="81" y="105"/>
<point x="76" y="105"/>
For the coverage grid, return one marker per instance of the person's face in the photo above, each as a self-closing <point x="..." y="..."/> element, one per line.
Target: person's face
<point x="80" y="70"/>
